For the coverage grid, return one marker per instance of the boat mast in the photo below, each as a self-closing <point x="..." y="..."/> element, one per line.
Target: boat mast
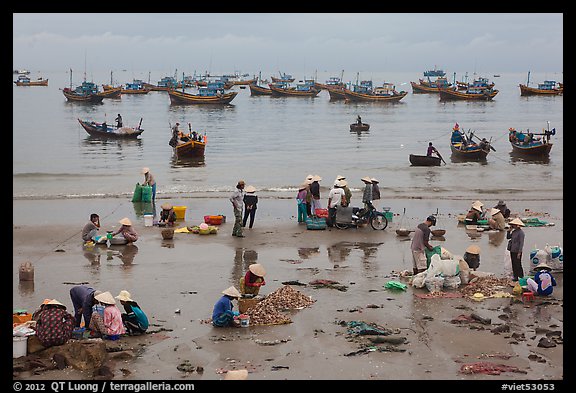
<point x="70" y="78"/>
<point x="528" y="81"/>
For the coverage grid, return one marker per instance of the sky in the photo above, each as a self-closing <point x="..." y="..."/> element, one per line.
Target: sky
<point x="295" y="43"/>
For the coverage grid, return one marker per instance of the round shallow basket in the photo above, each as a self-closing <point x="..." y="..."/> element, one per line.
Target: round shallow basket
<point x="403" y="232"/>
<point x="438" y="232"/>
<point x="118" y="240"/>
<point x="167" y="234"/>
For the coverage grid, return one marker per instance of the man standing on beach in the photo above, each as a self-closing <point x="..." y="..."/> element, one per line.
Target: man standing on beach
<point x="419" y="242"/>
<point x="237" y="200"/>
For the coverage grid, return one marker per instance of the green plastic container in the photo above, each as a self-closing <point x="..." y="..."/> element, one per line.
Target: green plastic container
<point x="389" y="216"/>
<point x="137" y="197"/>
<point x="146" y="193"/>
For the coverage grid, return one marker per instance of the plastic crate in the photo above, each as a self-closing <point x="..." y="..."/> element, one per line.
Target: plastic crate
<point x="323" y="213"/>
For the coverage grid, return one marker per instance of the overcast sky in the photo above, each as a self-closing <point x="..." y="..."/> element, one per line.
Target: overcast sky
<point x="289" y="42"/>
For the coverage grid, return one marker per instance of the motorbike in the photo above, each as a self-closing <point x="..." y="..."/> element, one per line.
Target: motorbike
<point x="352" y="217"/>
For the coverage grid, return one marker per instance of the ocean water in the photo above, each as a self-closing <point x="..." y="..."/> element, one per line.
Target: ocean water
<point x="274" y="143"/>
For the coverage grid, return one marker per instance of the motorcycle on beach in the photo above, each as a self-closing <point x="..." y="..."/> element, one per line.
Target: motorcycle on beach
<point x="353" y="217"/>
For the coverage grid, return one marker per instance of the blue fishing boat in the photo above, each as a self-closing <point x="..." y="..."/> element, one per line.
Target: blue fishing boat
<point x="286" y="78"/>
<point x="135" y="87"/>
<point x="435" y="72"/>
<point x="529" y="145"/>
<point x="548" y="87"/>
<point x="86" y="92"/>
<point x="212" y="93"/>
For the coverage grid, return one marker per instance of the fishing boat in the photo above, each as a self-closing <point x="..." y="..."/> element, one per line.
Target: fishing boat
<point x="256" y="88"/>
<point x="286" y="78"/>
<point x="464" y="148"/>
<point x="164" y="84"/>
<point x="430" y="86"/>
<point x="385" y="93"/>
<point x="107" y="131"/>
<point x="111" y="92"/>
<point x="300" y="90"/>
<point x="526" y="144"/>
<point x="419" y="160"/>
<point x="334" y="82"/>
<point x="435" y="72"/>
<point x="190" y="148"/>
<point x="337" y="93"/>
<point x="358" y="127"/>
<point x="213" y="93"/>
<point x="87" y="92"/>
<point x="481" y="83"/>
<point x="135" y="87"/>
<point x="24" y="80"/>
<point x="471" y="94"/>
<point x="548" y="87"/>
<point x="22" y="71"/>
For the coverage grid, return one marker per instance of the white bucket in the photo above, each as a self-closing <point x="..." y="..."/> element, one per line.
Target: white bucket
<point x="19" y="346"/>
<point x="148" y="220"/>
<point x="245" y="321"/>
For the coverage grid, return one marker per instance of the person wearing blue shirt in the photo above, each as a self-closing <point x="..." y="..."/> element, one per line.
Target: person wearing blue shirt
<point x="543" y="281"/>
<point x="134" y="319"/>
<point x="223" y="313"/>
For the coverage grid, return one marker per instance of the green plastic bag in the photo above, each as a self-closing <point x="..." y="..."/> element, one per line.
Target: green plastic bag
<point x="429" y="253"/>
<point x="137" y="197"/>
<point x="395" y="285"/>
<point x="146" y="193"/>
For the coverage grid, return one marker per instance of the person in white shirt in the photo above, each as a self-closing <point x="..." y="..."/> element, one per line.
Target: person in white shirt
<point x="334" y="199"/>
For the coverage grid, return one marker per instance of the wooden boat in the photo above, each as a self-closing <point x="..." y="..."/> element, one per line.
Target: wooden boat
<point x="334" y="82"/>
<point x="418" y="160"/>
<point x="244" y="82"/>
<point x="301" y="90"/>
<point x="111" y="92"/>
<point x="190" y="149"/>
<point x="481" y="83"/>
<point x="386" y="93"/>
<point x="430" y="86"/>
<point x="96" y="129"/>
<point x="471" y="94"/>
<point x="135" y="87"/>
<point x="469" y="150"/>
<point x="525" y="144"/>
<point x="434" y="72"/>
<point x="359" y="127"/>
<point x="548" y="87"/>
<point x="213" y="93"/>
<point x="285" y="78"/>
<point x="24" y="80"/>
<point x="337" y="93"/>
<point x="87" y="92"/>
<point x="257" y="90"/>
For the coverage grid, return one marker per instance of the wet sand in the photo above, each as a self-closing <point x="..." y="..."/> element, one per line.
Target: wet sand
<point x="189" y="272"/>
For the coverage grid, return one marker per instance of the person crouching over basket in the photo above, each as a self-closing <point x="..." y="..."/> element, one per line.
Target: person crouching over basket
<point x="250" y="284"/>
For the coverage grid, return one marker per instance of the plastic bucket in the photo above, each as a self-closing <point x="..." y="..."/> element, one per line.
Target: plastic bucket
<point x="180" y="212"/>
<point x="19" y="347"/>
<point x="244" y="321"/>
<point x="148" y="220"/>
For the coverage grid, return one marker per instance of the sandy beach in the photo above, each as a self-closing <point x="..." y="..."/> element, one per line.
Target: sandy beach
<point x="189" y="272"/>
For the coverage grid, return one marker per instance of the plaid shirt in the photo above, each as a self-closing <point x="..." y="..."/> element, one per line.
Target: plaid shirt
<point x="54" y="326"/>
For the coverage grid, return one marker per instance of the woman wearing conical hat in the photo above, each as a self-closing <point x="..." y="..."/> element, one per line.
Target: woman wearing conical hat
<point x="253" y="280"/>
<point x="54" y="324"/>
<point x="223" y="312"/>
<point x="127" y="230"/>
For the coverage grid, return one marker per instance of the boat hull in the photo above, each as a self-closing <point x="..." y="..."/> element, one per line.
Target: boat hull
<point x="94" y="130"/>
<point x="420" y="88"/>
<point x="135" y="91"/>
<point x="359" y="127"/>
<point x="532" y="91"/>
<point x="190" y="149"/>
<point x="90" y="99"/>
<point x="245" y="82"/>
<point x="114" y="92"/>
<point x="418" y="160"/>
<point x="256" y="90"/>
<point x="178" y="97"/>
<point x="447" y="94"/>
<point x="337" y="94"/>
<point x="292" y="92"/>
<point x="43" y="82"/>
<point x="540" y="150"/>
<point x="354" y="96"/>
<point x="475" y="154"/>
